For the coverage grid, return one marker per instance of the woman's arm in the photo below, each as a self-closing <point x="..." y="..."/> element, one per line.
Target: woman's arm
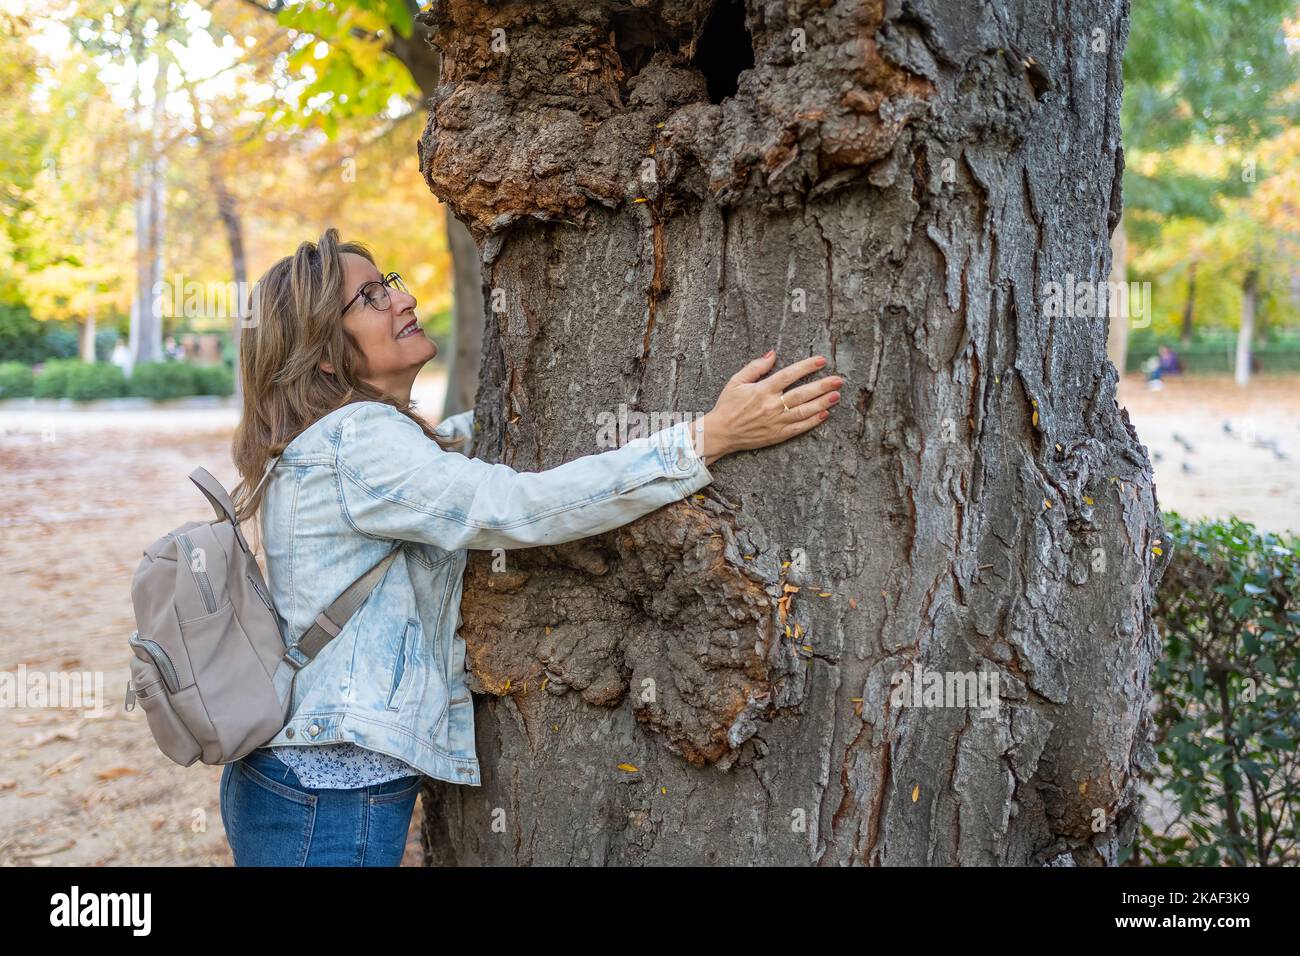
<point x="395" y="483"/>
<point x="460" y="425"/>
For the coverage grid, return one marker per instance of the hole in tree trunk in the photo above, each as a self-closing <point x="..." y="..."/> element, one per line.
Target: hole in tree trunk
<point x="638" y="35"/>
<point x="724" y="49"/>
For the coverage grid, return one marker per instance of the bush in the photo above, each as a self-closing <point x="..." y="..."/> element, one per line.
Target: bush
<point x="163" y="380"/>
<point x="82" y="381"/>
<point x="52" y="380"/>
<point x="16" y="380"/>
<point x="61" y="342"/>
<point x="87" y="381"/>
<point x="105" y="339"/>
<point x="22" y="338"/>
<point x="1227" y="718"/>
<point x="213" y="380"/>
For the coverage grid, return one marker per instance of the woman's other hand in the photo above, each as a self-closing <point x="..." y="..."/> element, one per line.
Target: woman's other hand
<point x="754" y="412"/>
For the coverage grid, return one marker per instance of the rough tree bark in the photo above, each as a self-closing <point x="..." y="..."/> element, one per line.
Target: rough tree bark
<point x="661" y="191"/>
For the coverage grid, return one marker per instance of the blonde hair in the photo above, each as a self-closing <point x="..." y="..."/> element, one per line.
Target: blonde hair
<point x="297" y="324"/>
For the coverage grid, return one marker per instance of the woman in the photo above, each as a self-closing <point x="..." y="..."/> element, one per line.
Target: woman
<point x="341" y="471"/>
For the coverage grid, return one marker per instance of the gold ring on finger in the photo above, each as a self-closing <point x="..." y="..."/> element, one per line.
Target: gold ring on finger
<point x="784" y="405"/>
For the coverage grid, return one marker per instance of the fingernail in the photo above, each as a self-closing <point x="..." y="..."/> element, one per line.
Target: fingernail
<point x="834" y="399"/>
<point x="821" y="360"/>
<point x="769" y="352"/>
<point x="823" y="415"/>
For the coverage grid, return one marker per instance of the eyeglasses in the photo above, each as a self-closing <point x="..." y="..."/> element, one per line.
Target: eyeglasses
<point x="375" y="292"/>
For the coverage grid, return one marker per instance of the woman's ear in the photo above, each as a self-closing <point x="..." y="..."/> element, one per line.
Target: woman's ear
<point x="327" y="368"/>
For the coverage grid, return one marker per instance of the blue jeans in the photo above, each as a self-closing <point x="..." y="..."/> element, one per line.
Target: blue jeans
<point x="273" y="820"/>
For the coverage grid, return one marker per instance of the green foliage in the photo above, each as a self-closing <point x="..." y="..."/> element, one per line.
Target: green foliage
<point x="162" y="380"/>
<point x="105" y="339"/>
<point x="1209" y="91"/>
<point x="1228" y="724"/>
<point x="1172" y="193"/>
<point x="82" y="381"/>
<point x="27" y="340"/>
<point x="341" y="56"/>
<point x="213" y="380"/>
<point x="1215" y="352"/>
<point x="20" y="335"/>
<point x="16" y="380"/>
<point x="165" y="380"/>
<point x="1205" y="69"/>
<point x="52" y="380"/>
<point x="90" y="380"/>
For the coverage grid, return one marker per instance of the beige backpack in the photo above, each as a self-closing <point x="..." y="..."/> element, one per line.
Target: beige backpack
<point x="211" y="666"/>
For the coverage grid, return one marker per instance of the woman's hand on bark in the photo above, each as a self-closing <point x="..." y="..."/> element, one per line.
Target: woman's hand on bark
<point x="752" y="411"/>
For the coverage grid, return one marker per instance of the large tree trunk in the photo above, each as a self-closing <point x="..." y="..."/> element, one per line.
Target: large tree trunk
<point x="894" y="189"/>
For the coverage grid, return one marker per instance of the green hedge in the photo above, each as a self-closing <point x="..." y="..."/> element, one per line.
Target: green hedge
<point x="1228" y="724"/>
<point x="71" y="378"/>
<point x="213" y="380"/>
<point x="87" y="381"/>
<point x="164" y="380"/>
<point x="16" y="380"/>
<point x="1216" y="354"/>
<point x="52" y="379"/>
<point x="82" y="381"/>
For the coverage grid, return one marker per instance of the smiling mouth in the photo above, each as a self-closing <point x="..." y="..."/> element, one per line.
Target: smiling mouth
<point x="409" y="329"/>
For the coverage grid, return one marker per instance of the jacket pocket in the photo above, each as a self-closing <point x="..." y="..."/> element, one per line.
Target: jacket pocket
<point x="399" y="668"/>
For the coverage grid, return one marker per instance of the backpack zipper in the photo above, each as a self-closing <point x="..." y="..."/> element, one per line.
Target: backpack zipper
<point x="200" y="577"/>
<point x="266" y="598"/>
<point x="160" y="658"/>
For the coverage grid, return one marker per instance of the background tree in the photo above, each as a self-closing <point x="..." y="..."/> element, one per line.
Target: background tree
<point x="662" y="192"/>
<point x="355" y="59"/>
<point x="67" y="225"/>
<point x="1207" y="73"/>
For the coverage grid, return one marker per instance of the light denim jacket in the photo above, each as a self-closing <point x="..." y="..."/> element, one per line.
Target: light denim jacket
<point x="364" y="477"/>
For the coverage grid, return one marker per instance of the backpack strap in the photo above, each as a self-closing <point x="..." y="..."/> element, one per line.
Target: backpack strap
<point x="215" y="494"/>
<point x="327" y="625"/>
<point x="220" y="500"/>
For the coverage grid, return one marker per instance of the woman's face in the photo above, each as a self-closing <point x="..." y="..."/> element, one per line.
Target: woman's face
<point x="394" y="346"/>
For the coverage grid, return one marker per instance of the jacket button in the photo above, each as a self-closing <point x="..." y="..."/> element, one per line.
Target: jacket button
<point x="683" y="460"/>
<point x="314" y="729"/>
<point x="289" y="733"/>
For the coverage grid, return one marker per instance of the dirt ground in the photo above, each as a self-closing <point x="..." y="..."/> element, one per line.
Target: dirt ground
<point x="1238" y="452"/>
<point x="82" y="493"/>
